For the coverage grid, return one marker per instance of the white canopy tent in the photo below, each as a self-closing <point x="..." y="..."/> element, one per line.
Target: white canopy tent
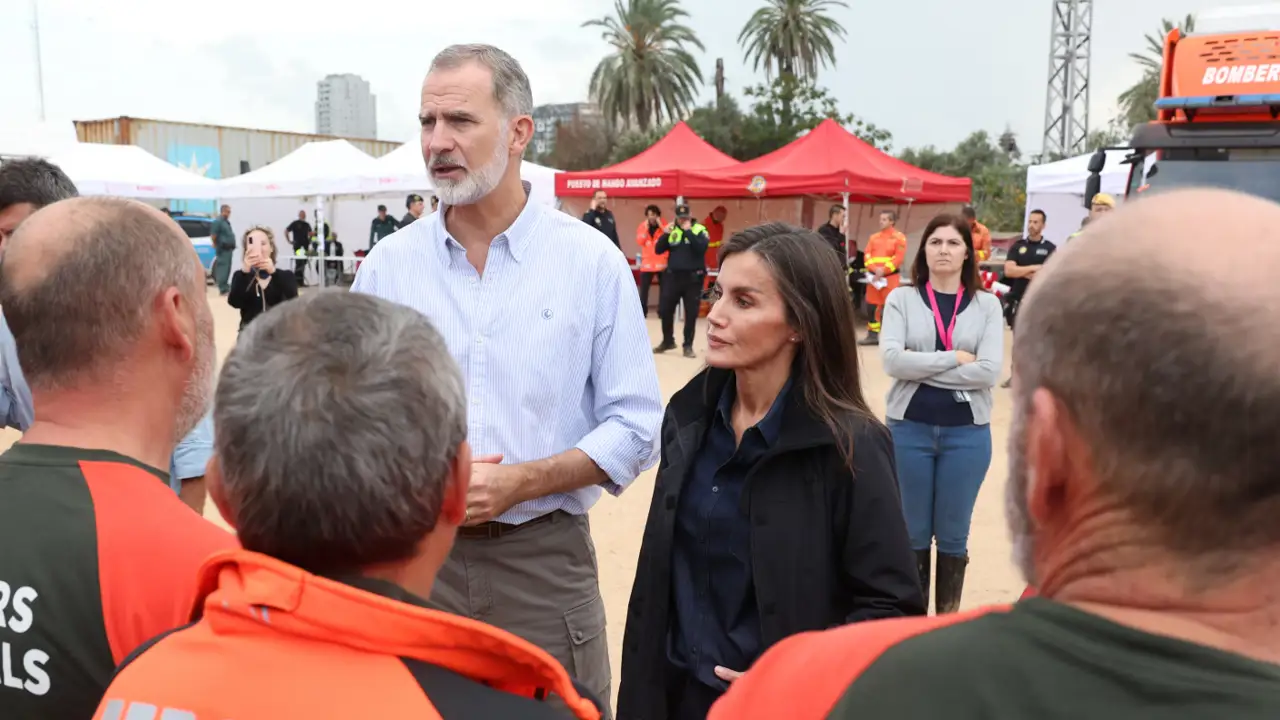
<point x="403" y="171"/>
<point x="1058" y="189"/>
<point x="129" y="171"/>
<point x="328" y="167"/>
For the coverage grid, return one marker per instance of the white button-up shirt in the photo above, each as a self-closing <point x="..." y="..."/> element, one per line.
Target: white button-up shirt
<point x="551" y="341"/>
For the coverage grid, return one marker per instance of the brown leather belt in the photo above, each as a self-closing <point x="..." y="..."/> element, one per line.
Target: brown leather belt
<point x="493" y="530"/>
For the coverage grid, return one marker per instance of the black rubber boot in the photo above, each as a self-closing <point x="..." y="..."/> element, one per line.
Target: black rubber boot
<point x="872" y="339"/>
<point x="924" y="561"/>
<point x="950" y="582"/>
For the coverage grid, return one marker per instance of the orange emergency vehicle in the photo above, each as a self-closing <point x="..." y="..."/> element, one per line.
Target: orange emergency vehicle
<point x="1218" y="115"/>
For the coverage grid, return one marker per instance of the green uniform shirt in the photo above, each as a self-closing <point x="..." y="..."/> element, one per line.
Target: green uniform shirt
<point x="1048" y="661"/>
<point x="223" y="237"/>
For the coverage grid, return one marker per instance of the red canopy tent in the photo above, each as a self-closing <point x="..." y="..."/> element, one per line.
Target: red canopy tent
<point x="829" y="160"/>
<point x="656" y="172"/>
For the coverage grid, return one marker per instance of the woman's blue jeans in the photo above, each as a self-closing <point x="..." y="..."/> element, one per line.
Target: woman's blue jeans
<point x="940" y="470"/>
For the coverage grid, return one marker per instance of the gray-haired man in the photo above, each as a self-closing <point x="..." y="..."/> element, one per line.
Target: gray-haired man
<point x="561" y="387"/>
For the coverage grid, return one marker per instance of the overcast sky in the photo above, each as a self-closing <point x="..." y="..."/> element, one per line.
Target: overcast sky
<point x="930" y="71"/>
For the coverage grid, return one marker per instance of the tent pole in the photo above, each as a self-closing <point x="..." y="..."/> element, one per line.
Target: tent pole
<point x="845" y="198"/>
<point x="320" y="233"/>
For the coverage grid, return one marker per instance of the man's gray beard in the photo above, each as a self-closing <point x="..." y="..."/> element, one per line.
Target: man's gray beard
<point x="476" y="183"/>
<point x="1016" y="491"/>
<point x="199" y="389"/>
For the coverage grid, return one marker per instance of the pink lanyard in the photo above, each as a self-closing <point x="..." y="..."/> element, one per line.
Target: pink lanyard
<point x="947" y="333"/>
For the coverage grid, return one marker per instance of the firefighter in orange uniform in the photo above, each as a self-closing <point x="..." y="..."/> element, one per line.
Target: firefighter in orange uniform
<point x="651" y="263"/>
<point x="981" y="235"/>
<point x="715" y="230"/>
<point x="886" y="252"/>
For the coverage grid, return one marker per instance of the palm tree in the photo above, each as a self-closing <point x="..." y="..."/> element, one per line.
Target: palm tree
<point x="792" y="37"/>
<point x="650" y="75"/>
<point x="1137" y="104"/>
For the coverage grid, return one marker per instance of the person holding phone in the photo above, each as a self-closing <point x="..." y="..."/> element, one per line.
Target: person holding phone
<point x="259" y="285"/>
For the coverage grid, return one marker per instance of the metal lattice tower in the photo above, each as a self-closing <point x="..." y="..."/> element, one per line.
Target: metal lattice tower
<point x="1066" y="109"/>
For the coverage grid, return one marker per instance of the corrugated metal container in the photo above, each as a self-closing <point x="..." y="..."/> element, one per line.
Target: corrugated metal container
<point x="210" y="150"/>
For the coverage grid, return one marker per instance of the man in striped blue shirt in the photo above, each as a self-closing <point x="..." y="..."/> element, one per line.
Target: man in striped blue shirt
<point x="539" y="311"/>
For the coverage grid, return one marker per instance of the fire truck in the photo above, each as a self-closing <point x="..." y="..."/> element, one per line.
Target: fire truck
<point x="1218" y="121"/>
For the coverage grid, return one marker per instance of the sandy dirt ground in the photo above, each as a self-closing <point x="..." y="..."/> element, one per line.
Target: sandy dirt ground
<point x="617" y="524"/>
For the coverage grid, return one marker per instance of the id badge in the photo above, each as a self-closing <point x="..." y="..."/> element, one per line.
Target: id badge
<point x="962" y="396"/>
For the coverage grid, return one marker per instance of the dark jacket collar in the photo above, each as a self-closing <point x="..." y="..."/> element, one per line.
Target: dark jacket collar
<point x="698" y="401"/>
<point x="384" y="588"/>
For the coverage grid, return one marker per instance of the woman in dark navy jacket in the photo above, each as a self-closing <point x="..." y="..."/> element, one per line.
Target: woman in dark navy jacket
<point x="776" y="507"/>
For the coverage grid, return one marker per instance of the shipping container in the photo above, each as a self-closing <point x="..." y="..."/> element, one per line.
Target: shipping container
<point x="210" y="150"/>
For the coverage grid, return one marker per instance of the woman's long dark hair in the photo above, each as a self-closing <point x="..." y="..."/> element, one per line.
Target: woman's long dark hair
<point x="969" y="279"/>
<point x="812" y="281"/>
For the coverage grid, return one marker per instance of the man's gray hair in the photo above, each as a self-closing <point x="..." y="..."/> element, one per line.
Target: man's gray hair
<point x="510" y="84"/>
<point x="337" y="419"/>
<point x="77" y="289"/>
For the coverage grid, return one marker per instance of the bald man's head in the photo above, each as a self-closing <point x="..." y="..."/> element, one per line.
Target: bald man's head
<point x="1148" y="349"/>
<point x="80" y="282"/>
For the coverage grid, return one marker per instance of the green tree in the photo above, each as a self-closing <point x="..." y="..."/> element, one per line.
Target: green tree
<point x="579" y="145"/>
<point x="792" y="38"/>
<point x="1137" y="104"/>
<point x="787" y="107"/>
<point x="999" y="177"/>
<point x="633" y="142"/>
<point x="1114" y="134"/>
<point x="651" y="74"/>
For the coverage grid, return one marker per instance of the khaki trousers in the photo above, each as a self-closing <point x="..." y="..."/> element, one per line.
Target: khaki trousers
<point x="538" y="581"/>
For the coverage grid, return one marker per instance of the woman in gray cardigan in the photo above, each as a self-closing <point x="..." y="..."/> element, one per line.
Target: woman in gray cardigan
<point x="942" y="342"/>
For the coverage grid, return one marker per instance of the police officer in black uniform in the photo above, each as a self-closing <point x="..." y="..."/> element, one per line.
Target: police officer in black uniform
<point x="601" y="217"/>
<point x="1023" y="262"/>
<point x="685" y="244"/>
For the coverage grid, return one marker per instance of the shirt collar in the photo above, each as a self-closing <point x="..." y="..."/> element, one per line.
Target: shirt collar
<point x="384" y="588"/>
<point x="770" y="426"/>
<point x="518" y="236"/>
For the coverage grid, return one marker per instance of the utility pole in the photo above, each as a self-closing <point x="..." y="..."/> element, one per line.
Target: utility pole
<point x="35" y="26"/>
<point x="719" y="79"/>
<point x="1066" y="110"/>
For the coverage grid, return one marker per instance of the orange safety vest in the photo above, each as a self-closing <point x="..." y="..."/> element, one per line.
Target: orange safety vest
<point x="650" y="261"/>
<point x="981" y="241"/>
<point x="715" y="232"/>
<point x="886" y="249"/>
<point x="275" y="641"/>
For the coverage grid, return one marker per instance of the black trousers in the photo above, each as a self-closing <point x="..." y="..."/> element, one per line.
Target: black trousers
<point x="646" y="280"/>
<point x="680" y="286"/>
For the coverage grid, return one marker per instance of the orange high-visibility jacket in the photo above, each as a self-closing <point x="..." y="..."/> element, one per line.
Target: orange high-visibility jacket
<point x="650" y="261"/>
<point x="886" y="249"/>
<point x="715" y="232"/>
<point x="981" y="242"/>
<point x="276" y="642"/>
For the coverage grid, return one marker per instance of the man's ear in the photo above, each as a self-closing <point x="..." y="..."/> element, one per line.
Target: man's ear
<point x="521" y="134"/>
<point x="217" y="491"/>
<point x="454" y="509"/>
<point x="177" y="322"/>
<point x="1048" y="456"/>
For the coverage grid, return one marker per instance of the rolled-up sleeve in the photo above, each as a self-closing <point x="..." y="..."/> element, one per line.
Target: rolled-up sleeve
<point x="192" y="454"/>
<point x="628" y="401"/>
